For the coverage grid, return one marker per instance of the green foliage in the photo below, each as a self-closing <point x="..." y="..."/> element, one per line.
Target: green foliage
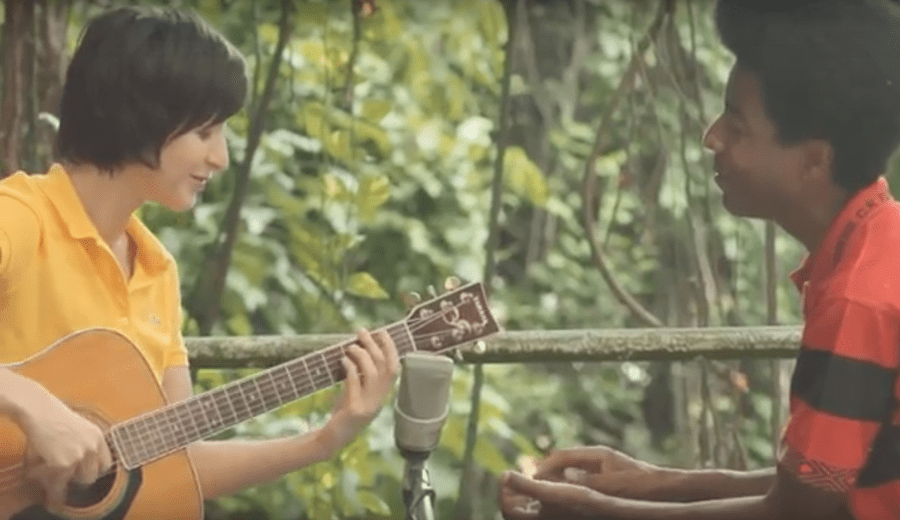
<point x="373" y="177"/>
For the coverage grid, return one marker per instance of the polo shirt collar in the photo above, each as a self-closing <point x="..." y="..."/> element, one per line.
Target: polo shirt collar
<point x="64" y="198"/>
<point x="861" y="206"/>
<point x="151" y="255"/>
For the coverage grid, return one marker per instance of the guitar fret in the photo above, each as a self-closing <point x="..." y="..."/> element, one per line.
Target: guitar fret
<point x="142" y="439"/>
<point x="239" y="403"/>
<point x="262" y="393"/>
<point x="153" y="439"/>
<point x="211" y="412"/>
<point x="267" y="389"/>
<point x="175" y="426"/>
<point x="186" y="420"/>
<point x="459" y="318"/>
<point x="297" y="393"/>
<point x="282" y="390"/>
<point x="335" y="367"/>
<point x="167" y="432"/>
<point x="161" y="432"/>
<point x="251" y="394"/>
<point x="309" y="376"/>
<point x="129" y="443"/>
<point x="403" y="338"/>
<point x="226" y="392"/>
<point x="324" y="368"/>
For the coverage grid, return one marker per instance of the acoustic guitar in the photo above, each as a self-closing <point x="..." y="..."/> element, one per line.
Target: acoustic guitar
<point x="102" y="375"/>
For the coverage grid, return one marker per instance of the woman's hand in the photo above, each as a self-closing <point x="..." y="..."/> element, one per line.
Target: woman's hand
<point x="372" y="365"/>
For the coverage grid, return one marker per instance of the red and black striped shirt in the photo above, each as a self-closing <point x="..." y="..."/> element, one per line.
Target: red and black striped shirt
<point x="844" y="430"/>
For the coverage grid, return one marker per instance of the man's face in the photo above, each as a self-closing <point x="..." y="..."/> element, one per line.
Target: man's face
<point x="759" y="177"/>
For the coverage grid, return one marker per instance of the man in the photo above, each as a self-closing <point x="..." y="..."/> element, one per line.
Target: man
<point x="142" y="117"/>
<point x="812" y="114"/>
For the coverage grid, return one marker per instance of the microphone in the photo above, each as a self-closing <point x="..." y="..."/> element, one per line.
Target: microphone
<point x="422" y="405"/>
<point x="423" y="402"/>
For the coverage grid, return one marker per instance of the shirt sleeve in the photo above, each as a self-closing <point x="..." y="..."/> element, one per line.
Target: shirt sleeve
<point x="841" y="392"/>
<point x="20" y="236"/>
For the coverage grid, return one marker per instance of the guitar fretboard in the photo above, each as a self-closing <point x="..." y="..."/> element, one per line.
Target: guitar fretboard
<point x="158" y="433"/>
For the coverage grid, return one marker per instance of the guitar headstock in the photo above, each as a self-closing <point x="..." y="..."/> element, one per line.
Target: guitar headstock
<point x="457" y="317"/>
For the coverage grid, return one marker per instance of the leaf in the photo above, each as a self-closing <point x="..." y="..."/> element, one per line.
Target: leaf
<point x="373" y="503"/>
<point x="523" y="176"/>
<point x="311" y="14"/>
<point x="365" y="285"/>
<point x="374" y="191"/>
<point x="339" y="145"/>
<point x="322" y="509"/>
<point x="334" y="187"/>
<point x="315" y="120"/>
<point x="489" y="456"/>
<point x="374" y="110"/>
<point x="492" y="20"/>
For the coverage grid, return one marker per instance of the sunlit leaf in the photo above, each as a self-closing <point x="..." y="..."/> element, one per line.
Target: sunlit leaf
<point x="374" y="191"/>
<point x="373" y="503"/>
<point x="523" y="176"/>
<point x="375" y="109"/>
<point x="365" y="285"/>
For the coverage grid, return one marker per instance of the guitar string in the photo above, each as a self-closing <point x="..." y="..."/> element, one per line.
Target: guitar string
<point x="314" y="363"/>
<point x="265" y="388"/>
<point x="264" y="395"/>
<point x="269" y="393"/>
<point x="323" y="359"/>
<point x="319" y="361"/>
<point x="154" y="440"/>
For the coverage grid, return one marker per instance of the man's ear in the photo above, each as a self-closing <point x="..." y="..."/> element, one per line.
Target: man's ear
<point x="818" y="161"/>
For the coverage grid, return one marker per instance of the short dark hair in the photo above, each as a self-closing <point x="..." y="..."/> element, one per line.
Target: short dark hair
<point x="140" y="76"/>
<point x="828" y="69"/>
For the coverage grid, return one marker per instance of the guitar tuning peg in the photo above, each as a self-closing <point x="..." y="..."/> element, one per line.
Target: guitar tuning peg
<point x="410" y="299"/>
<point x="432" y="292"/>
<point x="451" y="283"/>
<point x="457" y="355"/>
<point x="480" y="347"/>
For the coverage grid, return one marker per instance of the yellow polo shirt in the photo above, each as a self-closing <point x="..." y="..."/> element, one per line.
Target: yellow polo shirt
<point x="58" y="276"/>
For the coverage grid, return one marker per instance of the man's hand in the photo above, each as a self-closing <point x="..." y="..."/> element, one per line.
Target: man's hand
<point x="524" y="498"/>
<point x="372" y="365"/>
<point x="600" y="468"/>
<point x="63" y="447"/>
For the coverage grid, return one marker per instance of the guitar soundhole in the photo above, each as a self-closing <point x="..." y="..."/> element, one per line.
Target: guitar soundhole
<point x="80" y="495"/>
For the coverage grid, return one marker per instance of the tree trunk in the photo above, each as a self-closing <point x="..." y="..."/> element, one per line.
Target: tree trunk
<point x="50" y="75"/>
<point x="17" y="27"/>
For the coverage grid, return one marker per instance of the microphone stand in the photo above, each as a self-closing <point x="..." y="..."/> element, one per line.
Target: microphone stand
<point x="418" y="495"/>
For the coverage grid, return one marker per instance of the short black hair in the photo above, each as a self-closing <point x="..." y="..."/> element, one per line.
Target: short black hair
<point x="140" y="76"/>
<point x="828" y="69"/>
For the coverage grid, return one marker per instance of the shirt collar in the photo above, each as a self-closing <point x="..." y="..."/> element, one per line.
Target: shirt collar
<point x="861" y="206"/>
<point x="150" y="253"/>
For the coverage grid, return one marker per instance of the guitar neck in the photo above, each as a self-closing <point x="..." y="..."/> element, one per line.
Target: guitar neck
<point x="158" y="433"/>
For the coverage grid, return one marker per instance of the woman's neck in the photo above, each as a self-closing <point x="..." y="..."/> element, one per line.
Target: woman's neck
<point x="109" y="200"/>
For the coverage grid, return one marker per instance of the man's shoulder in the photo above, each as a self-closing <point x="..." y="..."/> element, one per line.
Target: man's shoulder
<point x="869" y="269"/>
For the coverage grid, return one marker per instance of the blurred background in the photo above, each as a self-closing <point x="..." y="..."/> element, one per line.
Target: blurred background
<point x="363" y="168"/>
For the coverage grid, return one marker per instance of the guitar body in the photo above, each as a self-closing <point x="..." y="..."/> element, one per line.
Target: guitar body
<point x="103" y="376"/>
